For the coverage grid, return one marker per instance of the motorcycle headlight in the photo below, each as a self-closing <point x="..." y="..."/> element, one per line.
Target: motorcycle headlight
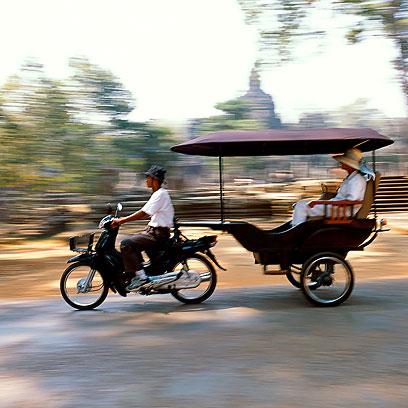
<point x="105" y="220"/>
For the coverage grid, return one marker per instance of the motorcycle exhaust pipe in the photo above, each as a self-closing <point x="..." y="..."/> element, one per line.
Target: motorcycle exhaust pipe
<point x="176" y="280"/>
<point x="161" y="280"/>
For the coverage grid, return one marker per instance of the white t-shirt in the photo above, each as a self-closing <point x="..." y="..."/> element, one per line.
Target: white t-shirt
<point x="160" y="208"/>
<point x="352" y="188"/>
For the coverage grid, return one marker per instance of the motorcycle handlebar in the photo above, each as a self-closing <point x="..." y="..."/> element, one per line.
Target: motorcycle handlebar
<point x="106" y="220"/>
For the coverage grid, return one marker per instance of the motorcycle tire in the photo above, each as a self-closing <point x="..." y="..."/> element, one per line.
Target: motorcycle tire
<point x="194" y="296"/>
<point x="69" y="284"/>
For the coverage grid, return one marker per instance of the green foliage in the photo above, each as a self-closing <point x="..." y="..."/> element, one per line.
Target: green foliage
<point x="357" y="114"/>
<point x="98" y="91"/>
<point x="291" y="23"/>
<point x="143" y="144"/>
<point x="389" y="17"/>
<point x="236" y="116"/>
<point x="280" y="23"/>
<point x="68" y="135"/>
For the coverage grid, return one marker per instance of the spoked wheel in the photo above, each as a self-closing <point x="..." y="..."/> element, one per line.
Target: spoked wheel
<point x="293" y="275"/>
<point x="83" y="287"/>
<point x="200" y="264"/>
<point x="327" y="279"/>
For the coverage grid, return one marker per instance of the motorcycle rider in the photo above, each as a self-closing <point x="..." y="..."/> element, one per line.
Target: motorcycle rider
<point x="160" y="209"/>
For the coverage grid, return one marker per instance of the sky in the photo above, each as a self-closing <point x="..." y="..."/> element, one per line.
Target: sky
<point x="181" y="57"/>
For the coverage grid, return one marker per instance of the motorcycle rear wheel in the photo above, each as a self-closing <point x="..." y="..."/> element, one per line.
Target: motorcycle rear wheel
<point x="72" y="277"/>
<point x="206" y="288"/>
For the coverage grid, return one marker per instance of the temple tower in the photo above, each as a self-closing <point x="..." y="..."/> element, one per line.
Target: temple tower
<point x="262" y="106"/>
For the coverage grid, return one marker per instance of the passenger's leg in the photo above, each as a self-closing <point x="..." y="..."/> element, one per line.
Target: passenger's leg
<point x="299" y="212"/>
<point x="302" y="211"/>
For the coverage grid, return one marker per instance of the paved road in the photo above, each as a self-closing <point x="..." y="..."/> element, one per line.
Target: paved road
<point x="257" y="347"/>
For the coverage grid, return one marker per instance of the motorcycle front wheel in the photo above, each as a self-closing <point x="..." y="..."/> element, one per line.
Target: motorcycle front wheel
<point x="205" y="289"/>
<point x="83" y="287"/>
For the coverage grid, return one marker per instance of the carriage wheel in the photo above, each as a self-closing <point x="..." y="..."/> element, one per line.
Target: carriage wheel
<point x="293" y="275"/>
<point x="327" y="279"/>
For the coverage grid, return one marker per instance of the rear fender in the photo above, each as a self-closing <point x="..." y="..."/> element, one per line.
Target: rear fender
<point x="199" y="245"/>
<point x="213" y="258"/>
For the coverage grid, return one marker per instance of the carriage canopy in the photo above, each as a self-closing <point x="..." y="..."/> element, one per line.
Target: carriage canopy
<point x="283" y="142"/>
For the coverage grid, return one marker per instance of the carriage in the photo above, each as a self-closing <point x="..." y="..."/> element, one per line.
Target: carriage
<point x="312" y="254"/>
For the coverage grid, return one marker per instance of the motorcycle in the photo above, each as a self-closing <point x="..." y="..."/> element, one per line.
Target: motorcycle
<point x="181" y="267"/>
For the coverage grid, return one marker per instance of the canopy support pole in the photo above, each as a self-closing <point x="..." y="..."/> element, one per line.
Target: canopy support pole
<point x="221" y="188"/>
<point x="373" y="159"/>
<point x="374" y="205"/>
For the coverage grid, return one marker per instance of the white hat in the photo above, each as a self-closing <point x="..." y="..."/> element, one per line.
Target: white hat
<point x="352" y="157"/>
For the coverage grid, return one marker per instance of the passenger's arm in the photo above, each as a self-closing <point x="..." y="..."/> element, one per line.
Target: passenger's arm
<point x="335" y="203"/>
<point x="338" y="212"/>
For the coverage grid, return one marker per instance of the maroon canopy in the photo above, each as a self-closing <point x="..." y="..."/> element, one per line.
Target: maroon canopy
<point x="283" y="142"/>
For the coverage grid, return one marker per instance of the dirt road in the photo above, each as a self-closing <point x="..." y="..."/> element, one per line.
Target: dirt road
<point x="255" y="343"/>
<point x="249" y="347"/>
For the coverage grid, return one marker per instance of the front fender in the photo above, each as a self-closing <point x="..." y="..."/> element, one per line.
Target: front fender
<point x="85" y="257"/>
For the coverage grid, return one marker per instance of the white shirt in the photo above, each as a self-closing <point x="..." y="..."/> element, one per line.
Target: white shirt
<point x="160" y="208"/>
<point x="352" y="188"/>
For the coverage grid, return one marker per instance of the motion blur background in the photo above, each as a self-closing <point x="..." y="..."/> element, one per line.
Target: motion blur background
<point x="92" y="93"/>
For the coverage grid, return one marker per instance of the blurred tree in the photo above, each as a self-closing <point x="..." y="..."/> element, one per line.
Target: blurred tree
<point x="280" y="23"/>
<point x="10" y="138"/>
<point x="157" y="142"/>
<point x="356" y="114"/>
<point x="293" y="21"/>
<point x="42" y="140"/>
<point x="68" y="135"/>
<point x="100" y="97"/>
<point x="143" y="144"/>
<point x="97" y="91"/>
<point x="236" y="116"/>
<point x="388" y="17"/>
<point x="315" y="120"/>
<point x="24" y="124"/>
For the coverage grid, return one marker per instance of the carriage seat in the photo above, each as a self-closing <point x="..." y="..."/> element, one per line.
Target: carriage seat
<point x="339" y="209"/>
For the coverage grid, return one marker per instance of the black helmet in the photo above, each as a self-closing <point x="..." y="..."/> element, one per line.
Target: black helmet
<point x="157" y="172"/>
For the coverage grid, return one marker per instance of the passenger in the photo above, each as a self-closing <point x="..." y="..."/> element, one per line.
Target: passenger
<point x="352" y="188"/>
